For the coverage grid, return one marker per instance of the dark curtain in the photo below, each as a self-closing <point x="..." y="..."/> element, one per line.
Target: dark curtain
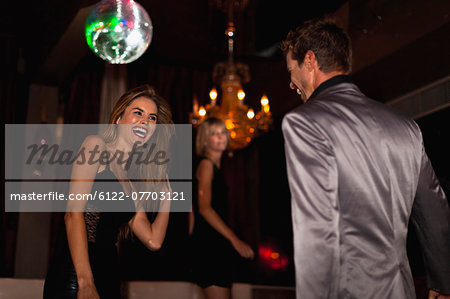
<point x="81" y="92"/>
<point x="14" y="100"/>
<point x="80" y="96"/>
<point x="176" y="83"/>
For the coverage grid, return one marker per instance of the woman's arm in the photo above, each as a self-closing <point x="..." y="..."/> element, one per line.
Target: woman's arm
<point x="77" y="238"/>
<point x="204" y="177"/>
<point x="152" y="234"/>
<point x="82" y="179"/>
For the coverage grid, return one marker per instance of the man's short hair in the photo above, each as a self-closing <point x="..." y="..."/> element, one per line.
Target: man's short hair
<point x="330" y="44"/>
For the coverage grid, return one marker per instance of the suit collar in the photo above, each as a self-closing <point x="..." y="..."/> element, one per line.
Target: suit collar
<point x="329" y="83"/>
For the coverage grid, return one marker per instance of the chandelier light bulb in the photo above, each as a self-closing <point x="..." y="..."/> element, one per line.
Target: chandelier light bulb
<point x="202" y="111"/>
<point x="241" y="94"/>
<point x="264" y="100"/>
<point x="266" y="108"/>
<point x="250" y="114"/>
<point x="213" y="94"/>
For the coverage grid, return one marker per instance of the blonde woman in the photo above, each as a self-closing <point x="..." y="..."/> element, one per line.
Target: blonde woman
<point x="214" y="242"/>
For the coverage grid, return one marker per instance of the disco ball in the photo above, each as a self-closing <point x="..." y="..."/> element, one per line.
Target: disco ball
<point x="119" y="31"/>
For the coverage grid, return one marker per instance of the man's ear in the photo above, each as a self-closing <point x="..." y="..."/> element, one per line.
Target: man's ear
<point x="310" y="60"/>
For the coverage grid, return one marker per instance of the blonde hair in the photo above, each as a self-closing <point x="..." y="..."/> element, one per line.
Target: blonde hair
<point x="203" y="133"/>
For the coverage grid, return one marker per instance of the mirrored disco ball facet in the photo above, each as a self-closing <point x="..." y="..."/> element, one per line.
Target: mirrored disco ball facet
<point x="119" y="31"/>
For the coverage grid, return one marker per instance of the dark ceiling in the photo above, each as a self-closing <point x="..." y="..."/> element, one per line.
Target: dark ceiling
<point x="386" y="35"/>
<point x="185" y="31"/>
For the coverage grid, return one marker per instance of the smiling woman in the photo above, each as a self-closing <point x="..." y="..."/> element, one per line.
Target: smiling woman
<point x="140" y="114"/>
<point x="87" y="264"/>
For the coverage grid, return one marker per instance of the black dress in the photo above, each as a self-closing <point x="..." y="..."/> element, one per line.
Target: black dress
<point x="212" y="253"/>
<point x="102" y="231"/>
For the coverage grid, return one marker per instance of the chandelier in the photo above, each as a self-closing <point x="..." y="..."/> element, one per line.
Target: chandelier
<point x="241" y="121"/>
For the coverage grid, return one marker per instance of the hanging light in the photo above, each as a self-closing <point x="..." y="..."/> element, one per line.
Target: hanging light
<point x="242" y="122"/>
<point x="118" y="31"/>
<point x="250" y="114"/>
<point x="241" y="94"/>
<point x="202" y="111"/>
<point x="264" y="100"/>
<point x="213" y="94"/>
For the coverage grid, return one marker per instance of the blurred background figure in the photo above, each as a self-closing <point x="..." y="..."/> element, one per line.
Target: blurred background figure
<point x="214" y="242"/>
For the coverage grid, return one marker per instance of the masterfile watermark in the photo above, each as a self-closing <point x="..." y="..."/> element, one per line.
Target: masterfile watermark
<point x="40" y="160"/>
<point x="142" y="153"/>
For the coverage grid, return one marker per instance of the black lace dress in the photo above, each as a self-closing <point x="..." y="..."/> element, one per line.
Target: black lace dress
<point x="213" y="254"/>
<point x="102" y="231"/>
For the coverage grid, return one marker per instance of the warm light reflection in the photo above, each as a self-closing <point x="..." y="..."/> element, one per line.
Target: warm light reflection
<point x="266" y="108"/>
<point x="250" y="114"/>
<point x="229" y="124"/>
<point x="251" y="130"/>
<point x="233" y="134"/>
<point x="213" y="94"/>
<point x="241" y="94"/>
<point x="202" y="111"/>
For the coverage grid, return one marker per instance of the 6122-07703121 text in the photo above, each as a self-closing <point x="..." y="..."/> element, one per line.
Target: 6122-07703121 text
<point x="102" y="195"/>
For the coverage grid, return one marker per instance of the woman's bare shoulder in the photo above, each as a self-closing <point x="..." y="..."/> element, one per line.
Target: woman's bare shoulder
<point x="205" y="168"/>
<point x="93" y="141"/>
<point x="206" y="164"/>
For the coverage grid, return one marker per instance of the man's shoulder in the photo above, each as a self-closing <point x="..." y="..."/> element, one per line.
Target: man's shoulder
<point x="343" y="103"/>
<point x="294" y="114"/>
<point x="303" y="117"/>
<point x="308" y="110"/>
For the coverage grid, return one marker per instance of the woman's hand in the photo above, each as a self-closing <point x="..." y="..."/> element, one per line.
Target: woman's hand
<point x="243" y="249"/>
<point x="435" y="295"/>
<point x="87" y="290"/>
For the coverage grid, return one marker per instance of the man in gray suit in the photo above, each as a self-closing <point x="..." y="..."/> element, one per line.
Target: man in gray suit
<point x="357" y="171"/>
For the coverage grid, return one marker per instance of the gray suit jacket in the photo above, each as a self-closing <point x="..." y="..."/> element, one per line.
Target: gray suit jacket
<point x="357" y="171"/>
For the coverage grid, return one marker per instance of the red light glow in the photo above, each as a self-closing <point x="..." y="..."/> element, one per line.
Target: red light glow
<point x="272" y="259"/>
